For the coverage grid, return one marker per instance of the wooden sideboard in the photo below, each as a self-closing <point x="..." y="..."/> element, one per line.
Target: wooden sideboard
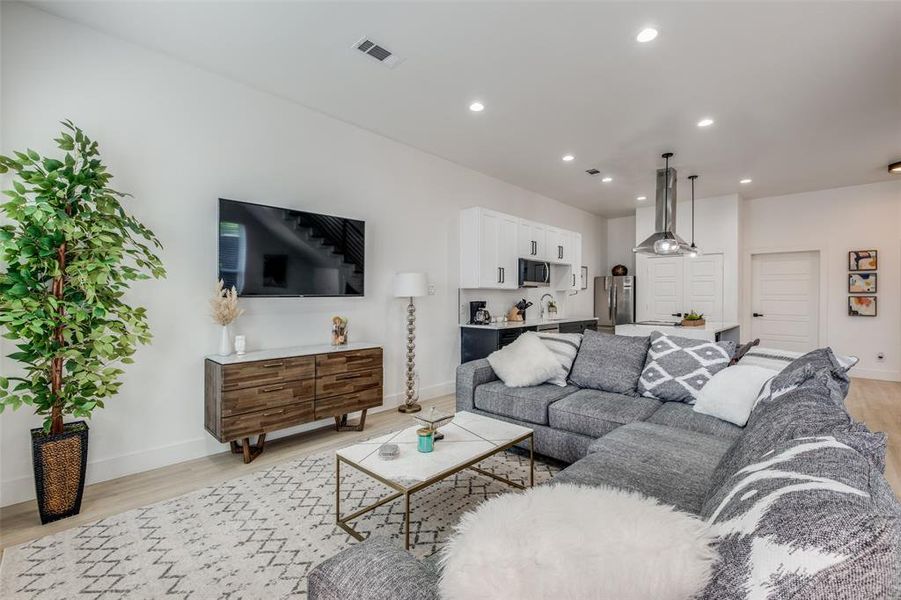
<point x="258" y="392"/>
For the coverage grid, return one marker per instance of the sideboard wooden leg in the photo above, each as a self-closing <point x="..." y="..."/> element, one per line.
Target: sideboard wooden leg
<point x="250" y="451"/>
<point x="341" y="423"/>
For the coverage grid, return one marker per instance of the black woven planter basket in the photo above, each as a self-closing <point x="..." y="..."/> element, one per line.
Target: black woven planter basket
<point x="60" y="462"/>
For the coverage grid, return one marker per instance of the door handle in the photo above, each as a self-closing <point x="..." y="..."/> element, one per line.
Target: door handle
<point x="757" y="314"/>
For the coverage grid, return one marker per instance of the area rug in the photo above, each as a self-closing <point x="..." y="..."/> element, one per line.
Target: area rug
<point x="253" y="537"/>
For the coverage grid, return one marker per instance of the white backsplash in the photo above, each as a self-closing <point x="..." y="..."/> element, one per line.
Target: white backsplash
<point x="500" y="301"/>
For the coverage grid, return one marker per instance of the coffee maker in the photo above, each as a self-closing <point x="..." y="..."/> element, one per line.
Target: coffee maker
<point x="478" y="314"/>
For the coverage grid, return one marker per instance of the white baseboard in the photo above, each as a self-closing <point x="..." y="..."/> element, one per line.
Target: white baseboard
<point x="21" y="489"/>
<point x="875" y="374"/>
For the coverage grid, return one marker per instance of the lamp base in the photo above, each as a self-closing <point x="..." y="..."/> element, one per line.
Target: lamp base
<point x="409" y="408"/>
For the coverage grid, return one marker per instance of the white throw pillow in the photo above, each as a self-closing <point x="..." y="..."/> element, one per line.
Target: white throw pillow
<point x="565" y="346"/>
<point x="525" y="362"/>
<point x="730" y="394"/>
<point x="569" y="541"/>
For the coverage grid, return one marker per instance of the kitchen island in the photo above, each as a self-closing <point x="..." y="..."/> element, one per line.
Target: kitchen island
<point x="713" y="330"/>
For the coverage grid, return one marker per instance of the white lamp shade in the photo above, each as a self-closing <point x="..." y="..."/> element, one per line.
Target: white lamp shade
<point x="410" y="285"/>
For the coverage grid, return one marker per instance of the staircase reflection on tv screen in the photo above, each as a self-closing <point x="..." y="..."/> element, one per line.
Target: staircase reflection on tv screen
<point x="269" y="251"/>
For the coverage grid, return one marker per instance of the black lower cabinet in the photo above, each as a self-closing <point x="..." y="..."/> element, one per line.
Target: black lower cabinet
<point x="477" y="342"/>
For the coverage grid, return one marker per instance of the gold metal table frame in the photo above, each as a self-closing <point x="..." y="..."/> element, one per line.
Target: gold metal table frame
<point x="407" y="491"/>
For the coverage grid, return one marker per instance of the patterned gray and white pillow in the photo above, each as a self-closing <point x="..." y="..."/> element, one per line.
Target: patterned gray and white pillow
<point x="565" y="347"/>
<point x="677" y="368"/>
<point x="812" y="518"/>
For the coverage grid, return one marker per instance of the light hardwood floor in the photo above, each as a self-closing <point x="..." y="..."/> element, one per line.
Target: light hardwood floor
<point x="876" y="403"/>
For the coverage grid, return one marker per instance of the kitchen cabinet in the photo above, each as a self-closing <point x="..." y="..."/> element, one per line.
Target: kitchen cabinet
<point x="532" y="240"/>
<point x="574" y="247"/>
<point x="491" y="244"/>
<point x="488" y="250"/>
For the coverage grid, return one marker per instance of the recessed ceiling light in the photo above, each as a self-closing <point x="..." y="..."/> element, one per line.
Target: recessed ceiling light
<point x="640" y="198"/>
<point x="895" y="167"/>
<point x="568" y="157"/>
<point x="705" y="122"/>
<point x="476" y="107"/>
<point x="607" y="179"/>
<point x="646" y="35"/>
<point x="744" y="181"/>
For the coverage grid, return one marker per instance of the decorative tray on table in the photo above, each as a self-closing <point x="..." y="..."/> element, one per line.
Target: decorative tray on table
<point x="434" y="419"/>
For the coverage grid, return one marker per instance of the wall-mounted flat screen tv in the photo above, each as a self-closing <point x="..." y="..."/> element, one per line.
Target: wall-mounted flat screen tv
<point x="270" y="251"/>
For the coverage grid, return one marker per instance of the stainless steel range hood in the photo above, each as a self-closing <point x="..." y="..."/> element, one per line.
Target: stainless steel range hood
<point x="664" y="240"/>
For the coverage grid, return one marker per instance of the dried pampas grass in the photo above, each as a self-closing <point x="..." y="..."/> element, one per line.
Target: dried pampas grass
<point x="224" y="305"/>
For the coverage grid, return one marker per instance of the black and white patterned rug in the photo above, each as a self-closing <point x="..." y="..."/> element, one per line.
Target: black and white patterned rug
<point x="253" y="537"/>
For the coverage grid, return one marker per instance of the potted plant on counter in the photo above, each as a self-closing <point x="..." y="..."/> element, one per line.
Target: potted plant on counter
<point x="70" y="253"/>
<point x="693" y="319"/>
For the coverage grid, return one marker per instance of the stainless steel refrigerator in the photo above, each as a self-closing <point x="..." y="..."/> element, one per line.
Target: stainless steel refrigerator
<point x="614" y="301"/>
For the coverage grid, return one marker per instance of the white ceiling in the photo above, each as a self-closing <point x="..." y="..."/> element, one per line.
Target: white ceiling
<point x="805" y="95"/>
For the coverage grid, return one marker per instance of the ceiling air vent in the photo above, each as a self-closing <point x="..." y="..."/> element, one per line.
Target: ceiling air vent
<point x="592" y="171"/>
<point x="381" y="54"/>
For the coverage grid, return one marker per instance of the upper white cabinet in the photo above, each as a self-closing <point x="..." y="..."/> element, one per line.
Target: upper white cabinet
<point x="532" y="240"/>
<point x="491" y="244"/>
<point x="488" y="249"/>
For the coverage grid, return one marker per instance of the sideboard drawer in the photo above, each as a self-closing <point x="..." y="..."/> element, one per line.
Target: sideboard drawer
<point x="244" y="400"/>
<point x="344" y="362"/>
<point x="340" y="405"/>
<point x="347" y="383"/>
<point x="266" y="420"/>
<point x="265" y="372"/>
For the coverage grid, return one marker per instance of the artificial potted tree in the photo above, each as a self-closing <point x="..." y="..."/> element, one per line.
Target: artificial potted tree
<point x="68" y="254"/>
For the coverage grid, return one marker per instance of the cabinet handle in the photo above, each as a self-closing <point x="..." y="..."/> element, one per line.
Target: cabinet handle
<point x="574" y="281"/>
<point x="499" y="280"/>
<point x="350" y="376"/>
<point x="273" y="365"/>
<point x="757" y="314"/>
<point x="274" y="388"/>
<point x="560" y="252"/>
<point x="503" y="275"/>
<point x="676" y="315"/>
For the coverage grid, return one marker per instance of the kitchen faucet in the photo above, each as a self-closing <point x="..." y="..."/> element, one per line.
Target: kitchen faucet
<point x="541" y="305"/>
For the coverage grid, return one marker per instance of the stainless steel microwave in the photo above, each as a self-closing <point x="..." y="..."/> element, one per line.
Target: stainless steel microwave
<point x="534" y="273"/>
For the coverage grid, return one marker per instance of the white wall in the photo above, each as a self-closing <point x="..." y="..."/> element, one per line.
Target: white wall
<point x="620" y="241"/>
<point x="717" y="230"/>
<point x="178" y="138"/>
<point x="833" y="222"/>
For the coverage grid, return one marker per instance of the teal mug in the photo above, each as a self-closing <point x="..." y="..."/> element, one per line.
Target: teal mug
<point x="426" y="440"/>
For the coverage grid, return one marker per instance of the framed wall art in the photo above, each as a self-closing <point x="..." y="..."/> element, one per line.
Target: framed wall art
<point x="862" y="260"/>
<point x="862" y="283"/>
<point x="862" y="306"/>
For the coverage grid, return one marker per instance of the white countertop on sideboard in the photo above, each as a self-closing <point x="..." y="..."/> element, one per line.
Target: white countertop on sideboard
<point x="276" y="353"/>
<point x="529" y="323"/>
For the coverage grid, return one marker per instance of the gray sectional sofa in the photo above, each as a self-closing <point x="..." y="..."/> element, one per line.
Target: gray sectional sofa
<point x="797" y="496"/>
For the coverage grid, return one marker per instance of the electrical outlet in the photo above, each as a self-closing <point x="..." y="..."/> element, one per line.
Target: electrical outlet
<point x="431" y="289"/>
<point x="880" y="357"/>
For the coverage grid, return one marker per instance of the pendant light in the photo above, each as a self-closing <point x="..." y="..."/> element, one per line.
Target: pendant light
<point x="693" y="251"/>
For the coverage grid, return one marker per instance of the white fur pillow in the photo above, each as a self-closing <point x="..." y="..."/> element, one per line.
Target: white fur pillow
<point x="525" y="362"/>
<point x="569" y="541"/>
<point x="730" y="395"/>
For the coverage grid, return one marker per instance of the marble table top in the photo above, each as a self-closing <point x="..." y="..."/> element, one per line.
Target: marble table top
<point x="466" y="438"/>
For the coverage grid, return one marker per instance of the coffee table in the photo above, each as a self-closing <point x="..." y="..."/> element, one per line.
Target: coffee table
<point x="468" y="440"/>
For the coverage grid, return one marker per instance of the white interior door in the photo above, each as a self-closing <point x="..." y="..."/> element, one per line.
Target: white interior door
<point x="785" y="300"/>
<point x="704" y="285"/>
<point x="663" y="299"/>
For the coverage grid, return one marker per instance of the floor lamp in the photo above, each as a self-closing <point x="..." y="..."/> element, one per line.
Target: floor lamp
<point x="410" y="285"/>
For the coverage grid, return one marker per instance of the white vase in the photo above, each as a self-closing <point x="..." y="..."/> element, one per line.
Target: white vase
<point x="225" y="342"/>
